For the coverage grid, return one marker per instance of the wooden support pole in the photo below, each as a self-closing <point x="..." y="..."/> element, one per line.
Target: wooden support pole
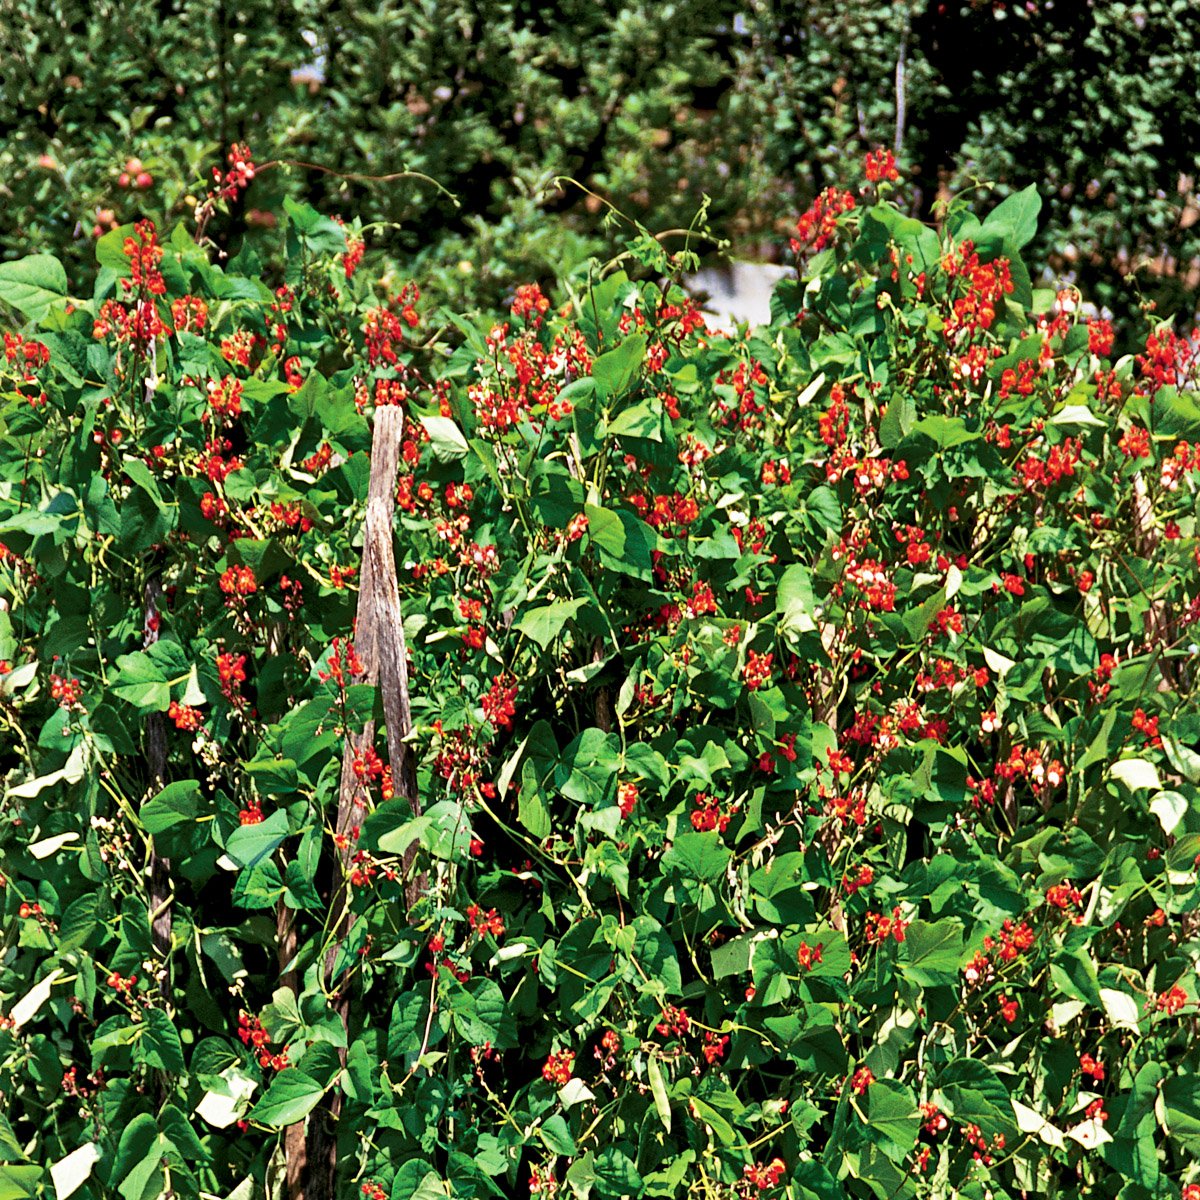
<point x="382" y="654"/>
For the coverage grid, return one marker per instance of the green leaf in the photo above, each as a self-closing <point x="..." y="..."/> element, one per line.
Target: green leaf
<point x="932" y="952"/>
<point x="1133" y="1151"/>
<point x="656" y="952"/>
<point x="897" y="423"/>
<point x="796" y="606"/>
<point x="616" y="1175"/>
<point x="445" y="439"/>
<point x="1073" y="973"/>
<point x="69" y="1174"/>
<point x="1170" y="808"/>
<point x="140" y="682"/>
<point x="9" y="1146"/>
<point x="110" y="251"/>
<point x="480" y="1014"/>
<point x="543" y="624"/>
<point x="221" y="1105"/>
<point x="145" y="517"/>
<point x="714" y="1118"/>
<point x="1029" y="1120"/>
<point x="1136" y="774"/>
<point x="1183" y="759"/>
<point x="917" y="620"/>
<point x="625" y="542"/>
<point x="946" y="432"/>
<point x="33" y="285"/>
<point x="1181" y="1096"/>
<point x="974" y="1095"/>
<point x="290" y="1098"/>
<point x="703" y="856"/>
<point x="79" y="923"/>
<point x="531" y="807"/>
<point x="321" y="234"/>
<point x="161" y="1045"/>
<point x="641" y="420"/>
<point x="19" y="1182"/>
<point x="581" y="1176"/>
<point x="250" y="844"/>
<point x="556" y="1134"/>
<point x="410" y="1013"/>
<point x="893" y="1117"/>
<point x="177" y="804"/>
<point x="733" y="957"/>
<point x="1015" y="219"/>
<point x="448" y="834"/>
<point x="1076" y="416"/>
<point x="617" y="369"/>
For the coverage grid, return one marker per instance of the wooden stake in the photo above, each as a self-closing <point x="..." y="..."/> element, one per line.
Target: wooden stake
<point x="379" y="645"/>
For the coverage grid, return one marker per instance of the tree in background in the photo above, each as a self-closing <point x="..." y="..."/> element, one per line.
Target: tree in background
<point x="755" y="106"/>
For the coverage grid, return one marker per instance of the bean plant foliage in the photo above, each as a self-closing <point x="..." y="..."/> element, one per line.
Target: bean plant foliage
<point x="804" y="722"/>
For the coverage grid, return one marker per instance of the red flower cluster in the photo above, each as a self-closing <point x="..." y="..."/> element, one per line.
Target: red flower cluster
<point x="709" y="815"/>
<point x="383" y="331"/>
<point x="1172" y="1000"/>
<point x="366" y="765"/>
<point x="1064" y="895"/>
<point x="499" y="702"/>
<point x="757" y="671"/>
<point x="816" y="227"/>
<point x="1135" y="442"/>
<point x="355" y="249"/>
<point x="343" y="661"/>
<point x="238" y="581"/>
<point x="765" y="1177"/>
<point x="1008" y="945"/>
<point x="715" y="1046"/>
<point x="231" y="671"/>
<point x="675" y="1022"/>
<point x="1100" y="337"/>
<point x="670" y="515"/>
<point x="559" y="1066"/>
<point x="878" y="927"/>
<point x="240" y="174"/>
<point x="1169" y="359"/>
<point x="627" y="798"/>
<point x="185" y="717"/>
<point x="986" y="286"/>
<point x="982" y="1149"/>
<point x="864" y="876"/>
<point x="861" y="1080"/>
<point x="485" y="922"/>
<point x="144" y="254"/>
<point x="880" y="166"/>
<point x="1147" y="727"/>
<point x="529" y="304"/>
<point x="1044" y="468"/>
<point x="252" y="1034"/>
<point x="809" y="956"/>
<point x="877" y="592"/>
<point x="66" y="691"/>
